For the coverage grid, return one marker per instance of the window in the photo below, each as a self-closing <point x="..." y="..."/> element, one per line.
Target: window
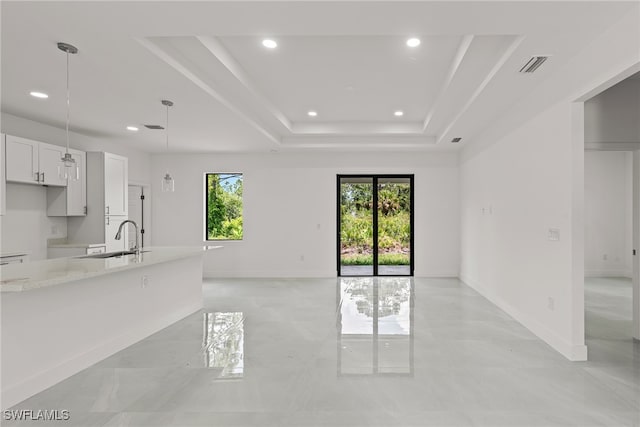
<point x="223" y="206"/>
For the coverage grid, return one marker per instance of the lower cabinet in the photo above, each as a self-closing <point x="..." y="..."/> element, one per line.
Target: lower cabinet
<point x="13" y="259"/>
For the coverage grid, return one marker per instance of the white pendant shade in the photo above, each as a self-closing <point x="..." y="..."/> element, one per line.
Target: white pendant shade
<point x="68" y="168"/>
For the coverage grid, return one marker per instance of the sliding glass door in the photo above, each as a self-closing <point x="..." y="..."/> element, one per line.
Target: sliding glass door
<point x="375" y="225"/>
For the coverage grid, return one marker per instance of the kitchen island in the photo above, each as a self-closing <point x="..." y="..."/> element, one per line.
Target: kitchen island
<point x="62" y="315"/>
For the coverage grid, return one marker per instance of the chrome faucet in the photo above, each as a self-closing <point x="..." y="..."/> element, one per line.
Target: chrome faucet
<point x="136" y="248"/>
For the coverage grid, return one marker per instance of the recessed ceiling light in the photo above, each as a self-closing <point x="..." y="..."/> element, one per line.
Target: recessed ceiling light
<point x="398" y="113"/>
<point x="413" y="42"/>
<point x="39" y="95"/>
<point x="312" y="113"/>
<point x="132" y="128"/>
<point x="271" y="44"/>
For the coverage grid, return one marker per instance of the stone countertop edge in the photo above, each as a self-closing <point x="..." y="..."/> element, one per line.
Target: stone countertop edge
<point x="51" y="272"/>
<point x="14" y="253"/>
<point x="75" y="245"/>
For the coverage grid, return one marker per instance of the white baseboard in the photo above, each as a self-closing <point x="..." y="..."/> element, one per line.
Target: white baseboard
<point x="320" y="274"/>
<point x="609" y="273"/>
<point x="436" y="274"/>
<point x="569" y="350"/>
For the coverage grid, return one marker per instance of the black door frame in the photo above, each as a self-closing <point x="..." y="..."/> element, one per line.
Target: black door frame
<point x="374" y="178"/>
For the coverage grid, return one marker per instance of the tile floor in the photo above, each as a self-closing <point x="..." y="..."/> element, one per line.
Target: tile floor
<point x="359" y="352"/>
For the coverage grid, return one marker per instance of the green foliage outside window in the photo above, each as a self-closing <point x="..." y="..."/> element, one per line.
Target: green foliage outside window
<point x="224" y="206"/>
<point x="394" y="223"/>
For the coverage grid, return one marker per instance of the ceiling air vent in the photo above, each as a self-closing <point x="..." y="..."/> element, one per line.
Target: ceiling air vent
<point x="533" y="64"/>
<point x="456" y="140"/>
<point x="154" y="127"/>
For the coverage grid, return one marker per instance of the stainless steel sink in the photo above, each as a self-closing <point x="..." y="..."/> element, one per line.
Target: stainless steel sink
<point x="112" y="254"/>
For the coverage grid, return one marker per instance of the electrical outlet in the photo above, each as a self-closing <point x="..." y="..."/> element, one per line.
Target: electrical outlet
<point x="301" y="257"/>
<point x="144" y="281"/>
<point x="551" y="303"/>
<point x="605" y="257"/>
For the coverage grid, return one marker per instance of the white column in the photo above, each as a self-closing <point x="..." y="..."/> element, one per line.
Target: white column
<point x="577" y="232"/>
<point x="636" y="244"/>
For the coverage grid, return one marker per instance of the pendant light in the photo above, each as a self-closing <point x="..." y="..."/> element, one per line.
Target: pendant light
<point x="167" y="180"/>
<point x="68" y="170"/>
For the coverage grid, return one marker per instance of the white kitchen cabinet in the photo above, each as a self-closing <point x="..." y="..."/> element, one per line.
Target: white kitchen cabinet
<point x="72" y="199"/>
<point x="107" y="202"/>
<point x="3" y="186"/>
<point x="16" y="258"/>
<point x="33" y="162"/>
<point x="22" y="160"/>
<point x="49" y="163"/>
<point x="116" y="184"/>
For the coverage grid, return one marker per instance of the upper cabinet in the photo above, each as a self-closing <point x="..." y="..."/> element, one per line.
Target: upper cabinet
<point x="116" y="184"/>
<point x="22" y="165"/>
<point x="49" y="161"/>
<point x="3" y="187"/>
<point x="72" y="199"/>
<point x="33" y="162"/>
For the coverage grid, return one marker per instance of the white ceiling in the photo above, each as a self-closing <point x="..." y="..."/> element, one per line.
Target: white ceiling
<point x="346" y="60"/>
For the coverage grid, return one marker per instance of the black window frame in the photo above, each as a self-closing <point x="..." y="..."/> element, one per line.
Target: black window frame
<point x="206" y="207"/>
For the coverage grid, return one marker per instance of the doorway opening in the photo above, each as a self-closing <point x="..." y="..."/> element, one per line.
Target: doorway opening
<point x="375" y="225"/>
<point x="612" y="212"/>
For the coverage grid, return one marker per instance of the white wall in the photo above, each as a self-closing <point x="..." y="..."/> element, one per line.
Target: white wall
<point x="528" y="167"/>
<point x="25" y="227"/>
<point x="290" y="209"/>
<point x="608" y="213"/>
<point x="512" y="194"/>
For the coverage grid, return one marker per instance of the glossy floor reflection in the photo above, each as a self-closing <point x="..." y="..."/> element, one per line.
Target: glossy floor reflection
<point x="423" y="352"/>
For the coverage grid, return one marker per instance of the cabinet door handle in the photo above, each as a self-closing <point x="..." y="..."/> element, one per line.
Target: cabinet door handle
<point x="107" y="220"/>
<point x="107" y="209"/>
<point x="37" y="176"/>
<point x="85" y="210"/>
<point x="42" y="177"/>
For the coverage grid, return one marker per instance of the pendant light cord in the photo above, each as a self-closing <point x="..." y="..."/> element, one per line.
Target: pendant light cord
<point x="167" y="130"/>
<point x="68" y="102"/>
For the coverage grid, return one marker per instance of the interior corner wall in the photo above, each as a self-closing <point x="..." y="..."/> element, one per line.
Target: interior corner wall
<point x="515" y="196"/>
<point x="290" y="205"/>
<point x="522" y="188"/>
<point x="608" y="214"/>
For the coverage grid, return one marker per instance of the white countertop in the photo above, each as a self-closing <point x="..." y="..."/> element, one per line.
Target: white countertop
<point x="62" y="243"/>
<point x="39" y="274"/>
<point x="75" y="245"/>
<point x="11" y="254"/>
